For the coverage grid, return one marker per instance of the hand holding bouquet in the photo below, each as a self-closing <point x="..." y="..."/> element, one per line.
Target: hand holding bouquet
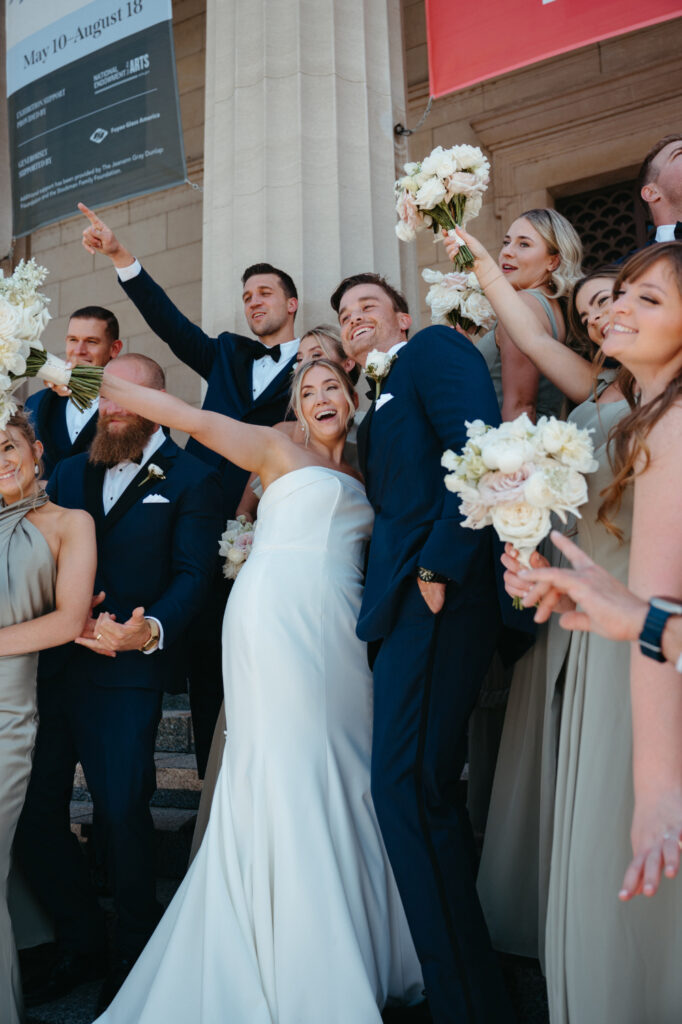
<point x="235" y="545"/>
<point x="514" y="476"/>
<point x="23" y="318"/>
<point x="443" y="191"/>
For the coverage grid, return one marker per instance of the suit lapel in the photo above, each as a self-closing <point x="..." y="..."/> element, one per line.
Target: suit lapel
<point x="363" y="437"/>
<point x="92" y="484"/>
<point x="242" y="363"/>
<point x="51" y="426"/>
<point x="278" y="385"/>
<point x="136" y="490"/>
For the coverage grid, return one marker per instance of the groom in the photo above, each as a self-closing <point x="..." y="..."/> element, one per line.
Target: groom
<point x="431" y="607"/>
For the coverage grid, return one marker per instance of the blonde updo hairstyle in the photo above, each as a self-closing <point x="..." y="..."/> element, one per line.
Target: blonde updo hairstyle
<point x="562" y="240"/>
<point x="295" y="403"/>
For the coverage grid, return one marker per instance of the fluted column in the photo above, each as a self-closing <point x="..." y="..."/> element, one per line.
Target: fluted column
<point x="301" y="99"/>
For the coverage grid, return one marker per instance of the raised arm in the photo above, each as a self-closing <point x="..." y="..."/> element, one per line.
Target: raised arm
<point x="656" y="688"/>
<point x="186" y="339"/>
<point x="76" y="562"/>
<point x="261" y="450"/>
<point x="571" y="373"/>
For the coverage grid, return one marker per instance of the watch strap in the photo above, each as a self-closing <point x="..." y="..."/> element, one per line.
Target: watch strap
<point x="652" y="633"/>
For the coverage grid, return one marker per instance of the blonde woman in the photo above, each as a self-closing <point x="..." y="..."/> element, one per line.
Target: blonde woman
<point x="540" y="257"/>
<point x="47" y="571"/>
<point x="290" y="904"/>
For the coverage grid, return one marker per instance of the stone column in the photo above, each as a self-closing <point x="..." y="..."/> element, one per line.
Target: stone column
<point x="301" y="99"/>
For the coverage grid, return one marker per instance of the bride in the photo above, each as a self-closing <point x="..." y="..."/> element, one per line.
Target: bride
<point x="289" y="913"/>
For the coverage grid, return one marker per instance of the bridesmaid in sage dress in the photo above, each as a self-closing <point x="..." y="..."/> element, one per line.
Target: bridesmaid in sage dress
<point x="47" y="568"/>
<point x="540" y="258"/>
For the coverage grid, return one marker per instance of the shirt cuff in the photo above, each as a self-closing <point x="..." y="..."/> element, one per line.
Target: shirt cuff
<point x="129" y="272"/>
<point x="159" y="646"/>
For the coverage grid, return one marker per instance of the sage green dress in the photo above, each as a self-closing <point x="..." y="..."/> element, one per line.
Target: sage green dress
<point x="513" y="878"/>
<point x="487" y="719"/>
<point x="27" y="587"/>
<point x="607" y="961"/>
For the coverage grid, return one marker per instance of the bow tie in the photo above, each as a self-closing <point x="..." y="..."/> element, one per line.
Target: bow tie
<point x="258" y="351"/>
<point x="678" y="231"/>
<point x="372" y="389"/>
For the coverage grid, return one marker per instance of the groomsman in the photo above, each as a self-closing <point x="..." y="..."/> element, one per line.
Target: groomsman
<point x="660" y="186"/>
<point x="431" y="608"/>
<point x="91" y="340"/>
<point x="248" y="380"/>
<point x="156" y="512"/>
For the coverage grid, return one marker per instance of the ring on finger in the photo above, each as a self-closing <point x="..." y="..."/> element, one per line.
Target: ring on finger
<point x="98" y="637"/>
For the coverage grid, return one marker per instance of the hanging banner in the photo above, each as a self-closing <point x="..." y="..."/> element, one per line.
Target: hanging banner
<point x="468" y="43"/>
<point x="93" y="105"/>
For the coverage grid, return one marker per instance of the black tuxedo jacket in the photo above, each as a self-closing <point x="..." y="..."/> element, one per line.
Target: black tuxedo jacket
<point x="438" y="381"/>
<point x="160" y="554"/>
<point x="48" y="414"/>
<point x="226" y="367"/>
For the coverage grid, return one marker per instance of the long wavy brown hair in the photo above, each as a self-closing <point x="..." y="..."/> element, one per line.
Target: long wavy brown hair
<point x="627" y="445"/>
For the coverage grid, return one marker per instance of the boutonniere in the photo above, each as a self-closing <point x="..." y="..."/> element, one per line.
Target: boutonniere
<point x="378" y="366"/>
<point x="154" y="472"/>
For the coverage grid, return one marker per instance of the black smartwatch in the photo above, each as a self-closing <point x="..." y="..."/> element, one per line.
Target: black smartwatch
<point x="660" y="610"/>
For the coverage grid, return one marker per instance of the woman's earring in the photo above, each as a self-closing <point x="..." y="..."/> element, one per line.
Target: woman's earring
<point x="36" y="470"/>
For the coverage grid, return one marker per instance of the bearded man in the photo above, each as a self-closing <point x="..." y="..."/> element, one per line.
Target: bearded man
<point x="157" y="513"/>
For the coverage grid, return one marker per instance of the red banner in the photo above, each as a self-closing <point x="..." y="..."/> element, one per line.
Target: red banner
<point x="470" y="42"/>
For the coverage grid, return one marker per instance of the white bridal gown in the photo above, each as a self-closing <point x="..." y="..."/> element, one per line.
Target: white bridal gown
<point x="289" y="914"/>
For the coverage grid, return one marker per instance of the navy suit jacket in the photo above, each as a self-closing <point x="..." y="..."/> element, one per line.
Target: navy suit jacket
<point x="48" y="415"/>
<point x="438" y="381"/>
<point x="161" y="555"/>
<point x="224" y="366"/>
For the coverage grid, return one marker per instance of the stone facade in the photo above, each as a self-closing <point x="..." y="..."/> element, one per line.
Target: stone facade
<point x="560" y="127"/>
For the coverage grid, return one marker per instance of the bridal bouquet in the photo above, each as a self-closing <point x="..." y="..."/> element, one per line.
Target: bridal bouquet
<point x="235" y="545"/>
<point x="23" y="318"/>
<point x="514" y="476"/>
<point x="458" y="300"/>
<point x="443" y="191"/>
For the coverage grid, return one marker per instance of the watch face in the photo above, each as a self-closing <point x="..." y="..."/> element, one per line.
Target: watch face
<point x="671" y="605"/>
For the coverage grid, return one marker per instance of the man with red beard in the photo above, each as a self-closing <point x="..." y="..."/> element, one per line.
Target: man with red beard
<point x="156" y="511"/>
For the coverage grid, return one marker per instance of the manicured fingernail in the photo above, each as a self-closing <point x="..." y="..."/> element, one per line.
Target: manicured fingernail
<point x="623" y="894"/>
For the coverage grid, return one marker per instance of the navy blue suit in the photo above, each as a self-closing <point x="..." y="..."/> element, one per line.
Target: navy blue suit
<point x="429" y="668"/>
<point x="225" y="364"/>
<point x="48" y="415"/>
<point x="104" y="711"/>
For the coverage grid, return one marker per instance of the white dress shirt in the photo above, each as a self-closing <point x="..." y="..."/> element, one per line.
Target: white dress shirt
<point x="117" y="478"/>
<point x="264" y="370"/>
<point x="665" y="233"/>
<point x="76" y="420"/>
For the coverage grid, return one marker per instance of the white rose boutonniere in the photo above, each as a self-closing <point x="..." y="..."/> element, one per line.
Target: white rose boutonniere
<point x="378" y="366"/>
<point x="154" y="472"/>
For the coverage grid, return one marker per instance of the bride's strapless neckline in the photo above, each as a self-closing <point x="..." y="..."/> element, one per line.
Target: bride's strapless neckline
<point x="346" y="477"/>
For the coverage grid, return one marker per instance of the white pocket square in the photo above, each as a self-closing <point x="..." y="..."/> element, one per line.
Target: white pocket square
<point x="154" y="498"/>
<point x="381" y="400"/>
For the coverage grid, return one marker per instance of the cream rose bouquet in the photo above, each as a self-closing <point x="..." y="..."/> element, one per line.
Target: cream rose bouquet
<point x="443" y="191"/>
<point x="512" y="477"/>
<point x="458" y="300"/>
<point x="235" y="545"/>
<point x="23" y="318"/>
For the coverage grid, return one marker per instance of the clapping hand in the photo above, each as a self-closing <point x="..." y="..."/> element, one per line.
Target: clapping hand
<point x="106" y="636"/>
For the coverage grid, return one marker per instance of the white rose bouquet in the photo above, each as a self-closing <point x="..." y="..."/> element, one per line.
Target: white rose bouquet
<point x="443" y="191"/>
<point x="458" y="300"/>
<point x="235" y="545"/>
<point x="23" y="318"/>
<point x="514" y="476"/>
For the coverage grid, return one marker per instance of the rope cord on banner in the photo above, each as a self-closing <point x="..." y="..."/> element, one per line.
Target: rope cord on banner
<point x="194" y="185"/>
<point x="400" y="129"/>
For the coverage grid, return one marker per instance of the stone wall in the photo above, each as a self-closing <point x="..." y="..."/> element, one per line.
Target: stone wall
<point x="162" y="229"/>
<point x="565" y="125"/>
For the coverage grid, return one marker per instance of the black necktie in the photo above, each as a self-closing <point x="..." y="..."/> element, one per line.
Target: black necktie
<point x="258" y="351"/>
<point x="678" y="231"/>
